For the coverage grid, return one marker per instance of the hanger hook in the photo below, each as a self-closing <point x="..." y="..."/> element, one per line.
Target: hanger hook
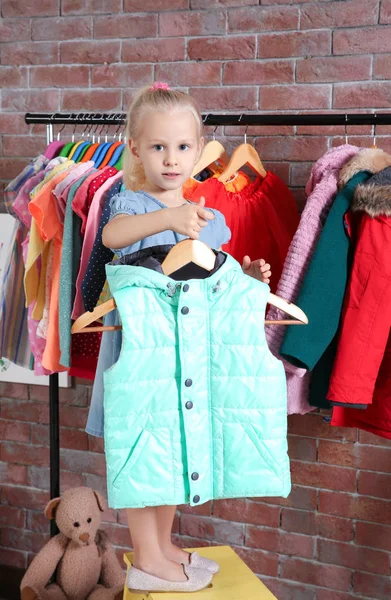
<point x="204" y="120"/>
<point x="374" y="131"/>
<point x="59" y="131"/>
<point x="245" y="135"/>
<point x="346" y="131"/>
<point x="214" y="133"/>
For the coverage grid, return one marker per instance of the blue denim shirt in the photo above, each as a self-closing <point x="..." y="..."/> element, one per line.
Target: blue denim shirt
<point x="214" y="234"/>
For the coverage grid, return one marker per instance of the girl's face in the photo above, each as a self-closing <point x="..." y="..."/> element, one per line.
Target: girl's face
<point x="168" y="147"/>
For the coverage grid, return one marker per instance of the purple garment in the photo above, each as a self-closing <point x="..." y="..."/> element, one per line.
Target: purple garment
<point x="321" y="190"/>
<point x="54" y="149"/>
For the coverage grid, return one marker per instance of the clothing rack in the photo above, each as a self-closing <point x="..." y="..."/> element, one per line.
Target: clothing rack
<point x="51" y="119"/>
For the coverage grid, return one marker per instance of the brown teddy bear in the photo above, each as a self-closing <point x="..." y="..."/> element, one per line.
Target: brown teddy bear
<point x="86" y="564"/>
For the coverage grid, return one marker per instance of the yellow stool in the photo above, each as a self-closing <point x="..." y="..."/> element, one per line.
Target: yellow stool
<point x="235" y="581"/>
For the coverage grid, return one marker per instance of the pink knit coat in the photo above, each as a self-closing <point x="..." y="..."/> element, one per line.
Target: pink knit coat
<point x="321" y="190"/>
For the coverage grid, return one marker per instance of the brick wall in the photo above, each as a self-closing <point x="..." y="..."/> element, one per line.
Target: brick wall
<point x="331" y="539"/>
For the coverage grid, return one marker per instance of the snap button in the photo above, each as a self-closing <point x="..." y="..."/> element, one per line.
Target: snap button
<point x="186" y="287"/>
<point x="185" y="310"/>
<point x="196" y="499"/>
<point x="194" y="476"/>
<point x="189" y="404"/>
<point x="188" y="382"/>
<point x="178" y="286"/>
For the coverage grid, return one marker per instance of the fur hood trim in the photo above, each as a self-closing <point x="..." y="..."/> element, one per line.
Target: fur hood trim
<point x="374" y="196"/>
<point x="368" y="159"/>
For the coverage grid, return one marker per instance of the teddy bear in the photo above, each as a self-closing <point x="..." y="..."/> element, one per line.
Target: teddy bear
<point x="81" y="556"/>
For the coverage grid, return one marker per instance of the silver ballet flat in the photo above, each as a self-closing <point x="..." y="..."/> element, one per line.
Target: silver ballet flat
<point x="197" y="579"/>
<point x="200" y="562"/>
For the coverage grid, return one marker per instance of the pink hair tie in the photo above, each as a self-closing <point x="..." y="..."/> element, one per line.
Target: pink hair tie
<point x="160" y="85"/>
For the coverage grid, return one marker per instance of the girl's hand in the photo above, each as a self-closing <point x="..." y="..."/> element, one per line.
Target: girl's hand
<point x="259" y="269"/>
<point x="189" y="219"/>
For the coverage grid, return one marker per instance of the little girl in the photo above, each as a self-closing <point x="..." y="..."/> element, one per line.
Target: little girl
<point x="165" y="140"/>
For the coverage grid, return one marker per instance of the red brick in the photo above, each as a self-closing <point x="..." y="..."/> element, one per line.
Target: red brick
<point x="155" y="5"/>
<point x="300" y="497"/>
<point x="323" y="476"/>
<point x="360" y="41"/>
<point x="301" y="448"/>
<point x="40" y="435"/>
<point x="256" y="72"/>
<point x="263" y="19"/>
<point x="375" y="536"/>
<point x="21" y="539"/>
<point x="118" y="535"/>
<point x="214" y="530"/>
<point x="159" y="50"/>
<point x="121" y="75"/>
<point x="12" y="517"/>
<point x="299" y="43"/>
<point x="90" y="7"/>
<point x="13" y="558"/>
<point x="92" y="52"/>
<point x="221" y="3"/>
<point x="32" y="145"/>
<point x="189" y="73"/>
<point x="312" y="424"/>
<point x="260" y="562"/>
<point x="36" y="521"/>
<point x="78" y="461"/>
<point x="288" y="590"/>
<point x="72" y="416"/>
<point x="354" y="557"/>
<point x="372" y="586"/>
<point x="300" y="174"/>
<point x="191" y="23"/>
<point x="333" y="69"/>
<point x="225" y="98"/>
<point x="95" y="444"/>
<point x="203" y="509"/>
<point x="14" y="431"/>
<point x="334" y="528"/>
<point x="325" y="595"/>
<point x="385" y="11"/>
<point x="72" y="396"/>
<point x="59" y="76"/>
<point x="10" y="168"/>
<point x="19" y="391"/>
<point x="295" y="148"/>
<point x="39" y="477"/>
<point x="354" y="455"/>
<point x="287" y="97"/>
<point x="16" y="474"/>
<point x="246" y="511"/>
<point x="24" y="497"/>
<point x="125" y="26"/>
<point x="31" y="101"/>
<point x="222" y="48"/>
<point x="276" y="540"/>
<point x="374" y="484"/>
<point x="298" y="521"/>
<point x="15" y="29"/>
<point x="350" y="13"/>
<point x="314" y="573"/>
<point x="29" y="53"/>
<point x="24" y="411"/>
<point x="13" y="123"/>
<point x="382" y="70"/>
<point x="358" y="95"/>
<point x="73" y="438"/>
<point x="187" y="542"/>
<point x="93" y="100"/>
<point x="355" y="507"/>
<point x="24" y="454"/>
<point x="61" y="28"/>
<point x="30" y="8"/>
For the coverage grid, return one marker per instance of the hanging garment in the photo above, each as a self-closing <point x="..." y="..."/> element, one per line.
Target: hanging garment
<point x="215" y="234"/>
<point x="321" y="190"/>
<point x="201" y="413"/>
<point x="262" y="218"/>
<point x="366" y="319"/>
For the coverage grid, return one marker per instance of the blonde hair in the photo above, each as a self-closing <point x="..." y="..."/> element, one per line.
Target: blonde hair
<point x="146" y="99"/>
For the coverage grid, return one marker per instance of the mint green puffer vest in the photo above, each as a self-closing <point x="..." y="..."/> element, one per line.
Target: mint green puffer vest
<point x="195" y="408"/>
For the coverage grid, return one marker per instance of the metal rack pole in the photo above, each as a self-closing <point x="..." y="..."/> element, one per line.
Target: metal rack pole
<point x="50" y="119"/>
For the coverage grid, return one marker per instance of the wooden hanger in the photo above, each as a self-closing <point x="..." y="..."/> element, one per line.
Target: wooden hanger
<point x="214" y="151"/>
<point x="182" y="254"/>
<point x="245" y="154"/>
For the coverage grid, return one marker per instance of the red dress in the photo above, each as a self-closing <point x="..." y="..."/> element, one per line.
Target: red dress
<point x="263" y="218"/>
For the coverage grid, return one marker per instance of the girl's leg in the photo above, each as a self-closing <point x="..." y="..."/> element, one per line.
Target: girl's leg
<point x="148" y="555"/>
<point x="165" y="519"/>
